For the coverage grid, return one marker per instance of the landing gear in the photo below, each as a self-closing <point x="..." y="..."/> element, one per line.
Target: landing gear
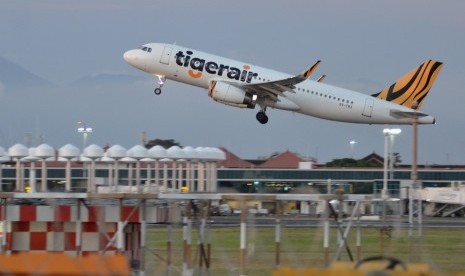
<point x="262" y="118"/>
<point x="161" y="81"/>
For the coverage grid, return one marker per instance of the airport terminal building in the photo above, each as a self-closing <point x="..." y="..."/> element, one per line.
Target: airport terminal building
<point x="285" y="172"/>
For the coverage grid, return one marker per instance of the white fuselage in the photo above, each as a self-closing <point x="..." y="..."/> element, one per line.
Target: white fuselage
<point x="309" y="97"/>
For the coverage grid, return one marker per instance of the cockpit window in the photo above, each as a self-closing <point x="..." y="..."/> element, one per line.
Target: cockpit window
<point x="146" y="49"/>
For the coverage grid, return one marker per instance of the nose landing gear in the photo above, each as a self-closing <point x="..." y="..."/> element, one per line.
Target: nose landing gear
<point x="261" y="117"/>
<point x="161" y="82"/>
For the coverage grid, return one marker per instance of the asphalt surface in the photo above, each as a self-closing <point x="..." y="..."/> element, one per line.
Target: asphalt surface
<point x="305" y="221"/>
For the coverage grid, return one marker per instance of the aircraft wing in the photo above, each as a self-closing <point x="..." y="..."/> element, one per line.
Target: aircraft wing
<point x="273" y="89"/>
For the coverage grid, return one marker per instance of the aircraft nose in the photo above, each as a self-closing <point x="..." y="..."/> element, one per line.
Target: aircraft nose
<point x="135" y="58"/>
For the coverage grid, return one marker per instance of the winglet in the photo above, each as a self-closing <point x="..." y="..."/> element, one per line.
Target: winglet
<point x="411" y="90"/>
<point x="321" y="79"/>
<point x="306" y="74"/>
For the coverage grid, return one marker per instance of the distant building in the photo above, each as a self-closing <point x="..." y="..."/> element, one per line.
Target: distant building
<point x="284" y="160"/>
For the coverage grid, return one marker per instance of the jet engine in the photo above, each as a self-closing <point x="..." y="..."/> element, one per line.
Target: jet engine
<point x="231" y="95"/>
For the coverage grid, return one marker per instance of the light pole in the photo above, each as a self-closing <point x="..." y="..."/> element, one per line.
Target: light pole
<point x="389" y="134"/>
<point x="352" y="148"/>
<point x="392" y="157"/>
<point x="85" y="130"/>
<point x="414" y="193"/>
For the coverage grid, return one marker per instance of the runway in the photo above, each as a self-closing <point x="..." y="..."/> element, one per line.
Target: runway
<point x="302" y="221"/>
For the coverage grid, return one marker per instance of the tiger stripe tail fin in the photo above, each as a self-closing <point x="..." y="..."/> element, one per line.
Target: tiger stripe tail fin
<point x="411" y="90"/>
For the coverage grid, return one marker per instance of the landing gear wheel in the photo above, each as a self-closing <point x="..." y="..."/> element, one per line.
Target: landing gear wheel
<point x="157" y="91"/>
<point x="262" y="118"/>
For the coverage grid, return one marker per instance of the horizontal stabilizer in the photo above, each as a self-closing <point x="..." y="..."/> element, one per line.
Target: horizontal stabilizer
<point x="410" y="116"/>
<point x="407" y="114"/>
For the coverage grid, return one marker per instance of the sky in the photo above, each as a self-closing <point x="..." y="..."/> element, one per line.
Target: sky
<point x="364" y="45"/>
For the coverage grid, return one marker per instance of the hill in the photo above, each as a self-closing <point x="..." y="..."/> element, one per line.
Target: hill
<point x="13" y="76"/>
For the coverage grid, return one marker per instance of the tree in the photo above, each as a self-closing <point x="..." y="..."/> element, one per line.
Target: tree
<point x="397" y="159"/>
<point x="165" y="143"/>
<point x="348" y="162"/>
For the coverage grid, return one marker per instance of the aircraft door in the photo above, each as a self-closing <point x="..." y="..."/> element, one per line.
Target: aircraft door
<point x="166" y="55"/>
<point x="368" y="109"/>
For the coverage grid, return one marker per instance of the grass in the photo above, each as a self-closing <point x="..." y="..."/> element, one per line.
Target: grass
<point x="442" y="249"/>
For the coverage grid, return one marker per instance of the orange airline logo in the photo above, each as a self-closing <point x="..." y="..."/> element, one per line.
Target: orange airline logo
<point x="195" y="75"/>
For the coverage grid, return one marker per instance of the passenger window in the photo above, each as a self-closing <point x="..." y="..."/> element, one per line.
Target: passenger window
<point x="149" y="50"/>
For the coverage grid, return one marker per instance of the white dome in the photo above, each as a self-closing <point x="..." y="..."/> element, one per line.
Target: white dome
<point x="206" y="153"/>
<point x="201" y="153"/>
<point x="166" y="160"/>
<point x="209" y="154"/>
<point x="219" y="154"/>
<point x="107" y="159"/>
<point x="190" y="153"/>
<point x="18" y="151"/>
<point x="68" y="151"/>
<point x="60" y="159"/>
<point x="176" y="153"/>
<point x="45" y="151"/>
<point x="83" y="158"/>
<point x="147" y="160"/>
<point x="93" y="152"/>
<point x="128" y="160"/>
<point x="158" y="152"/>
<point x="138" y="152"/>
<point x="116" y="152"/>
<point x="31" y="156"/>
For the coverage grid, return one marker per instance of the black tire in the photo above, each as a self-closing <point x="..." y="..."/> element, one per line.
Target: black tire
<point x="157" y="91"/>
<point x="262" y="118"/>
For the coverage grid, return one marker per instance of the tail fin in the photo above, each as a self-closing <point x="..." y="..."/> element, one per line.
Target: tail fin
<point x="411" y="89"/>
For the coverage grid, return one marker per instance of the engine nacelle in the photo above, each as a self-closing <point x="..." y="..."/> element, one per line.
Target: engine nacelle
<point x="231" y="95"/>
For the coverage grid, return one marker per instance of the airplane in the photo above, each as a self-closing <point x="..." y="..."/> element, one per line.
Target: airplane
<point x="244" y="85"/>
